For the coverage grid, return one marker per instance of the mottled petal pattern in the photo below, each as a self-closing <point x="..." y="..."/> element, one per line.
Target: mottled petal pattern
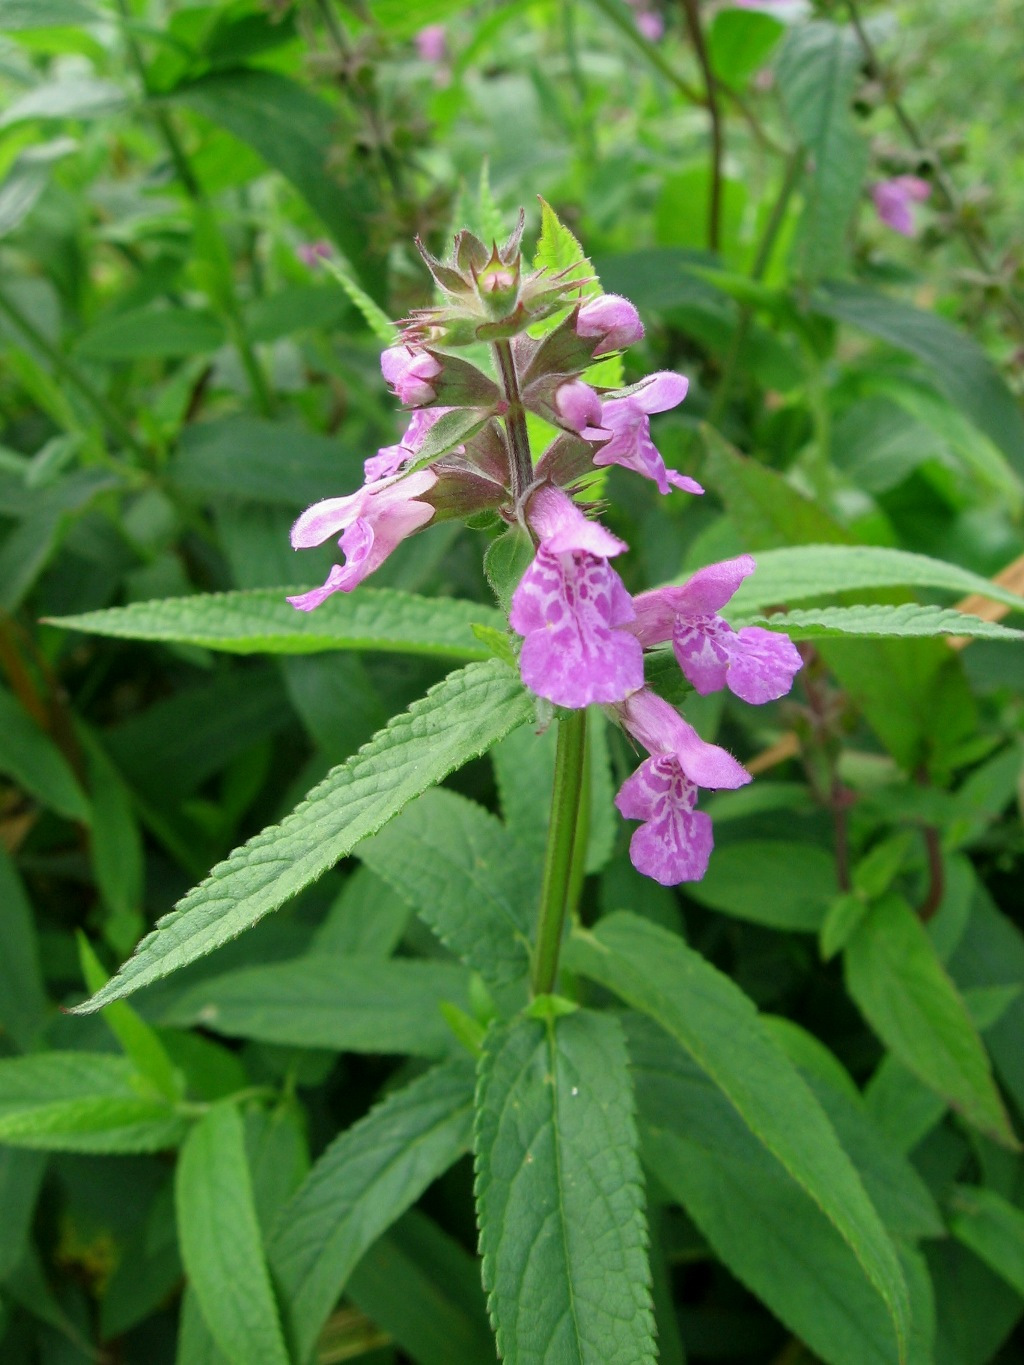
<point x="674" y="842"/>
<point x="570" y="608"/>
<point x="702" y="648"/>
<point x="762" y="665"/>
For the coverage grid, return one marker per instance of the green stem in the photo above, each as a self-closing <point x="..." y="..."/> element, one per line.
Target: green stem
<point x="515" y="422"/>
<point x="691" y="14"/>
<point x="69" y="371"/>
<point x="623" y="19"/>
<point x="558" y="860"/>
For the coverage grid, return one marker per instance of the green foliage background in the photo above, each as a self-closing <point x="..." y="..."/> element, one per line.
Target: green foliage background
<point x="264" y="1157"/>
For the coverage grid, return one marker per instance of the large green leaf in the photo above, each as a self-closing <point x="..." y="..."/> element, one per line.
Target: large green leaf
<point x="32" y="759"/>
<point x="964" y="371"/>
<point x="465" y="876"/>
<point x="27" y="14"/>
<point x="763" y="1225"/>
<point x="817" y="69"/>
<point x="994" y="1230"/>
<point x="882" y="622"/>
<point x="457" y="720"/>
<point x="364" y="1180"/>
<point x="148" y="333"/>
<point x="220" y="1241"/>
<point x="894" y="974"/>
<point x="347" y="1004"/>
<point x="658" y="974"/>
<point x="83" y="1102"/>
<point x="559" y="1194"/>
<point x="784" y="884"/>
<point x="263" y="622"/>
<point x="796" y="573"/>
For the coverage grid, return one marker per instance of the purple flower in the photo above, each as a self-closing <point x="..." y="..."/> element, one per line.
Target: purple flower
<point x="757" y="665"/>
<point x="579" y="408"/>
<point x="651" y="25"/>
<point x="674" y="842"/>
<point x="389" y="459"/>
<point x="571" y="606"/>
<point x="894" y="200"/>
<point x="613" y="320"/>
<point x="409" y="372"/>
<point x="430" y="43"/>
<point x="312" y="253"/>
<point x="373" y="521"/>
<point x="628" y="419"/>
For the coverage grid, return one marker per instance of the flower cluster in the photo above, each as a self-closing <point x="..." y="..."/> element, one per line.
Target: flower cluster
<point x="465" y="450"/>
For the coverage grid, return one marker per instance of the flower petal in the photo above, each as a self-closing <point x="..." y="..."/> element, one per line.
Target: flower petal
<point x="763" y="665"/>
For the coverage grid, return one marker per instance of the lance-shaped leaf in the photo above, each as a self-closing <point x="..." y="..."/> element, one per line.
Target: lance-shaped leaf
<point x="993" y="1228"/>
<point x="364" y="1181"/>
<point x="457" y="720"/>
<point x="658" y="974"/>
<point x="264" y="622"/>
<point x="894" y="974"/>
<point x="221" y="1244"/>
<point x="559" y="1194"/>
<point x="881" y="622"/>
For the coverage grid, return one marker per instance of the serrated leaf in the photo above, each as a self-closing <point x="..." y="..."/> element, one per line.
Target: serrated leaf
<point x="657" y="973"/>
<point x="760" y="1222"/>
<point x="354" y="1004"/>
<point x="798" y="572"/>
<point x="465" y="876"/>
<point x="558" y="250"/>
<point x="221" y="1244"/>
<point x="365" y="1179"/>
<point x="457" y="720"/>
<point x="882" y="622"/>
<point x="261" y="621"/>
<point x="993" y="1228"/>
<point x="82" y="1102"/>
<point x="559" y="1194"/>
<point x="375" y="318"/>
<point x="32" y="759"/>
<point x="895" y="976"/>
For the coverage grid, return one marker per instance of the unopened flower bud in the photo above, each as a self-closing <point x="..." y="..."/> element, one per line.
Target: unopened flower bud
<point x="578" y="406"/>
<point x="613" y="320"/>
<point x="409" y="372"/>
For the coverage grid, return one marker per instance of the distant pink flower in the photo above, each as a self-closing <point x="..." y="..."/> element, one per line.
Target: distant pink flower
<point x="757" y="665"/>
<point x="409" y="372"/>
<point x="612" y="319"/>
<point x="312" y="253"/>
<point x="571" y="606"/>
<point x="628" y="419"/>
<point x="430" y="43"/>
<point x="895" y="198"/>
<point x="674" y="842"/>
<point x="373" y="521"/>
<point x="652" y="26"/>
<point x="389" y="459"/>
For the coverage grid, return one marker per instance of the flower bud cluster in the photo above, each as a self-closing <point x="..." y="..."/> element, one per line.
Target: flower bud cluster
<point x="465" y="450"/>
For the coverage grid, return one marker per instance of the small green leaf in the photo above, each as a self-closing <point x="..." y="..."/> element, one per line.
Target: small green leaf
<point x="558" y="251"/>
<point x="993" y="1228"/>
<point x="465" y="876"/>
<point x="656" y="972"/>
<point x="151" y="333"/>
<point x="29" y="14"/>
<point x="902" y="989"/>
<point x="375" y="318"/>
<point x="365" y="1179"/>
<point x="261" y="621"/>
<point x="23" y="1003"/>
<point x="82" y="1102"/>
<point x="220" y="1241"/>
<point x="905" y="621"/>
<point x="457" y="720"/>
<point x="70" y="97"/>
<point x="783" y="884"/>
<point x="559" y="1194"/>
<point x="506" y="560"/>
<point x="841" y="920"/>
<point x="32" y="759"/>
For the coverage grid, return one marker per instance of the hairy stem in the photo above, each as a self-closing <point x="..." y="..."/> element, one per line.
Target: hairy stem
<point x="515" y="422"/>
<point x="558" y="860"/>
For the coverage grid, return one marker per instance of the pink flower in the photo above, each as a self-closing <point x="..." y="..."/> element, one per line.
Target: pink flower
<point x="757" y="665"/>
<point x="312" y="253"/>
<point x="373" y="521"/>
<point x="629" y="422"/>
<point x="430" y="43"/>
<point x="409" y="372"/>
<point x="612" y="319"/>
<point x="894" y="200"/>
<point x="674" y="842"/>
<point x="571" y="606"/>
<point x="579" y="408"/>
<point x="652" y="26"/>
<point x="389" y="459"/>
